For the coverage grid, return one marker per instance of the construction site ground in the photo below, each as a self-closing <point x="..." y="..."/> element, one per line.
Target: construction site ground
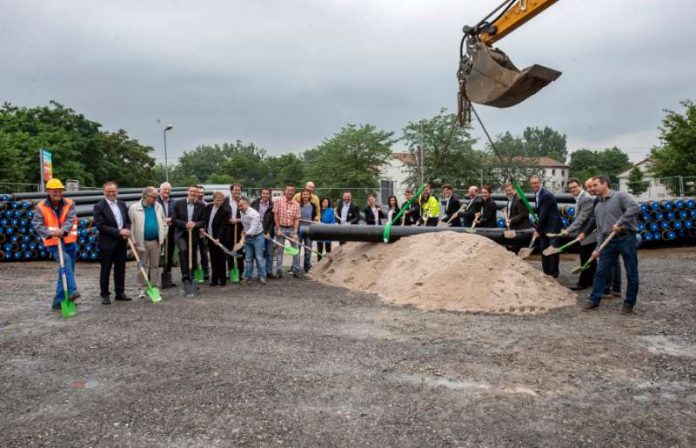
<point x="298" y="363"/>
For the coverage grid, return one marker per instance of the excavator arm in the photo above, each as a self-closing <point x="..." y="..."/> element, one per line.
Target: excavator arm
<point x="487" y="75"/>
<point x="516" y="15"/>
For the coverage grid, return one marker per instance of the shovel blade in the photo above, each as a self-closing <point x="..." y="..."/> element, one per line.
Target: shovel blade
<point x="577" y="270"/>
<point x="234" y="275"/>
<point x="551" y="250"/>
<point x="509" y="234"/>
<point x="198" y="275"/>
<point x="525" y="252"/>
<point x="68" y="308"/>
<point x="190" y="288"/>
<point x="493" y="80"/>
<point x="153" y="293"/>
<point x="290" y="250"/>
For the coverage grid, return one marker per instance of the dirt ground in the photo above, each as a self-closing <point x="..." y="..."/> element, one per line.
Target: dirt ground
<point x="298" y="363"/>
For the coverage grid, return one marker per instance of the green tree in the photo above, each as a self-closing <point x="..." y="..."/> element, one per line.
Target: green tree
<point x="676" y="154"/>
<point x="201" y="162"/>
<point x="636" y="184"/>
<point x="546" y="142"/>
<point x="353" y="157"/>
<point x="80" y="149"/>
<point x="282" y="170"/>
<point x="609" y="162"/>
<point x="448" y="153"/>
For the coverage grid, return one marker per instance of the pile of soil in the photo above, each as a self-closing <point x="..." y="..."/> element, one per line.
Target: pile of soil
<point x="444" y="270"/>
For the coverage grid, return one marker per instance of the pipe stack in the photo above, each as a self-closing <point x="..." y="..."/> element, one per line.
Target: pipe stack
<point x="19" y="241"/>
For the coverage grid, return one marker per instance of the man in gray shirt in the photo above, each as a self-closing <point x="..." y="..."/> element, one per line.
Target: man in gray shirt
<point x="616" y="211"/>
<point x="584" y="211"/>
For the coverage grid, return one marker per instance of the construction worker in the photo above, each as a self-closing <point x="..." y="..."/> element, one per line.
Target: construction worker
<point x="55" y="222"/>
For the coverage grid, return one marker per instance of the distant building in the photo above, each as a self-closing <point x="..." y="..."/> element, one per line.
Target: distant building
<point x="656" y="189"/>
<point x="554" y="174"/>
<point x="393" y="176"/>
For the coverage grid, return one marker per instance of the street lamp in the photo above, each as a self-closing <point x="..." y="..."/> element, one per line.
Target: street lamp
<point x="166" y="167"/>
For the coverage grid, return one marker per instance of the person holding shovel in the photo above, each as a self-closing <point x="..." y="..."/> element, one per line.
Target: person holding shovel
<point x="449" y="205"/>
<point x="55" y="222"/>
<point x="473" y="207"/>
<point x="286" y="215"/>
<point x="584" y="212"/>
<point x="489" y="211"/>
<point x="549" y="222"/>
<point x="165" y="190"/>
<point x="254" y="243"/>
<point x="264" y="206"/>
<point x="411" y="216"/>
<point x="148" y="229"/>
<point x="516" y="215"/>
<point x="615" y="214"/>
<point x="111" y="219"/>
<point x="217" y="226"/>
<point x="188" y="218"/>
<point x="430" y="208"/>
<point x="236" y="223"/>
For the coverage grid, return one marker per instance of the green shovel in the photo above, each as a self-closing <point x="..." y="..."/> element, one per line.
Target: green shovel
<point x="287" y="250"/>
<point x="152" y="292"/>
<point x="198" y="274"/>
<point x="234" y="272"/>
<point x="67" y="306"/>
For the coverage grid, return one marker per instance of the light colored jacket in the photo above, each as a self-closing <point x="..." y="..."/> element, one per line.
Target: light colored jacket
<point x="584" y="212"/>
<point x="136" y="213"/>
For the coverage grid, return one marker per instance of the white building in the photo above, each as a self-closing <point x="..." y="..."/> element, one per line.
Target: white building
<point x="393" y="176"/>
<point x="656" y="189"/>
<point x="554" y="174"/>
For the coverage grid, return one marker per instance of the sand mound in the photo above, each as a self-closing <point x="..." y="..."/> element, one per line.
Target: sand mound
<point x="445" y="270"/>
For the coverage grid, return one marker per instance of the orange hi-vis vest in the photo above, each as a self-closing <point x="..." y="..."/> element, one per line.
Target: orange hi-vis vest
<point x="53" y="222"/>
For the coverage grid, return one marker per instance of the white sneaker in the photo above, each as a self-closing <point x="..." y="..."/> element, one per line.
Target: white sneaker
<point x="141" y="294"/>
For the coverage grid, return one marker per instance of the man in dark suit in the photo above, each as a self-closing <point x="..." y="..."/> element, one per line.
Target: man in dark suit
<point x="584" y="212"/>
<point x="549" y="222"/>
<point x="165" y="191"/>
<point x="449" y="205"/>
<point x="111" y="219"/>
<point x="412" y="215"/>
<point x="347" y="212"/>
<point x="517" y="215"/>
<point x="189" y="214"/>
<point x="473" y="207"/>
<point x="217" y="226"/>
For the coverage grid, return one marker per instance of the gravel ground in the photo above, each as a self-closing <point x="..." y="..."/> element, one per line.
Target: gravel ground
<point x="301" y="364"/>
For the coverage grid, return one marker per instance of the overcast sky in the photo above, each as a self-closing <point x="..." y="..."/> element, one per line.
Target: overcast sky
<point x="287" y="74"/>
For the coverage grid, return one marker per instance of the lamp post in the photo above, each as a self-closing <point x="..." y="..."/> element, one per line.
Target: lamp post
<point x="166" y="167"/>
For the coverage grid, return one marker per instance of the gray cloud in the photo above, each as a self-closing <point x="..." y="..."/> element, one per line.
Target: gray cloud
<point x="287" y="74"/>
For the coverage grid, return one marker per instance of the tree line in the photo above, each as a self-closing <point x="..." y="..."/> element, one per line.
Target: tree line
<point x="355" y="156"/>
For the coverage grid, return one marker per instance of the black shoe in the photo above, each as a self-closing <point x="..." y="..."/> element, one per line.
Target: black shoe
<point x="106" y="301"/>
<point x="206" y="277"/>
<point x="590" y="305"/>
<point x="577" y="288"/>
<point x="616" y="294"/>
<point x="55" y="307"/>
<point x="124" y="298"/>
<point x="627" y="309"/>
<point x="74" y="296"/>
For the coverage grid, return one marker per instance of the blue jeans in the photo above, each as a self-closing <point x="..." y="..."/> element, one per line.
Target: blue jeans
<point x="268" y="251"/>
<point x="254" y="249"/>
<point x="626" y="247"/>
<point x="285" y="231"/>
<point x="307" y="253"/>
<point x="613" y="282"/>
<point x="69" y="256"/>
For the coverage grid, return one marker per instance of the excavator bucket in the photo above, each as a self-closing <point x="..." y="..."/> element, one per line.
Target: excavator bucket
<point x="490" y="78"/>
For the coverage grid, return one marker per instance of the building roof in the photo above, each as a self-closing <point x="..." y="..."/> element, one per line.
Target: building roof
<point x="404" y="157"/>
<point x="645" y="164"/>
<point x="542" y="162"/>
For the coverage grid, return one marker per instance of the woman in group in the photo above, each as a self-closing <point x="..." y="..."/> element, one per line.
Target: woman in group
<point x="374" y="216"/>
<point x="430" y="208"/>
<point x="394" y="209"/>
<point x="327" y="216"/>
<point x="489" y="211"/>
<point x="307" y="214"/>
<point x="217" y="226"/>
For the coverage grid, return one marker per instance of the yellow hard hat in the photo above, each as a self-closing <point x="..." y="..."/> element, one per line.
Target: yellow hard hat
<point x="54" y="184"/>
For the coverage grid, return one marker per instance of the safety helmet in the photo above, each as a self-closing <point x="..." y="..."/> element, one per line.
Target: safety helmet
<point x="54" y="184"/>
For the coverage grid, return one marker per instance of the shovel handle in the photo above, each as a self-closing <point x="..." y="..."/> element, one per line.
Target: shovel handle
<point x="140" y="263"/>
<point x="303" y="245"/>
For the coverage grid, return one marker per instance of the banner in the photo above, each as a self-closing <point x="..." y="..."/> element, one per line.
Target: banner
<point x="46" y="159"/>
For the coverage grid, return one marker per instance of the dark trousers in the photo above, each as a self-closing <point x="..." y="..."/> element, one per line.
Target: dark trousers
<point x="184" y="257"/>
<point x="431" y="222"/>
<point x="587" y="276"/>
<point x="169" y="250"/>
<point x="203" y="249"/>
<point x="613" y="283"/>
<point x="626" y="248"/>
<point x="218" y="265"/>
<point x="114" y="257"/>
<point x="323" y="247"/>
<point x="549" y="264"/>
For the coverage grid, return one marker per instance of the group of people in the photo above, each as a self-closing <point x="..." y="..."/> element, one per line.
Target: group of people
<point x="215" y="232"/>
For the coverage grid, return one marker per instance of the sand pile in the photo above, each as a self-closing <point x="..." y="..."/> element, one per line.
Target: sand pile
<point x="445" y="270"/>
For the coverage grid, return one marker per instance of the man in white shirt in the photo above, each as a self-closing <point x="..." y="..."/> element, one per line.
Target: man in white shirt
<point x="254" y="242"/>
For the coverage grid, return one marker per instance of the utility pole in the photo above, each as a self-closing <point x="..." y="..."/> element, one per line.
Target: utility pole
<point x="420" y="151"/>
<point x="166" y="167"/>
